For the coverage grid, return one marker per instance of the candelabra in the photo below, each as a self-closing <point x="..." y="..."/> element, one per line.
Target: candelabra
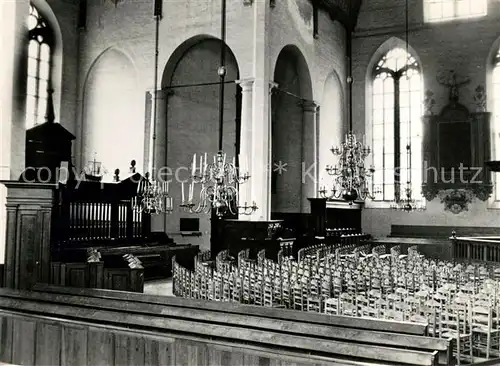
<point x="351" y="178"/>
<point x="408" y="203"/>
<point x="152" y="197"/>
<point x="219" y="187"/>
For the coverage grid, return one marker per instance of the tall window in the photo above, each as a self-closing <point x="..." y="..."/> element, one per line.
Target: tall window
<point x="397" y="100"/>
<point x="496" y="115"/>
<point x="41" y="41"/>
<point x="441" y="10"/>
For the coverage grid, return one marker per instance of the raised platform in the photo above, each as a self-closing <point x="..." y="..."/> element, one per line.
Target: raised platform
<point x="430" y="247"/>
<point x="441" y="232"/>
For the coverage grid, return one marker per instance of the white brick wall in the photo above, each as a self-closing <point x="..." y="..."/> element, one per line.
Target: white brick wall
<point x="129" y="27"/>
<point x="463" y="46"/>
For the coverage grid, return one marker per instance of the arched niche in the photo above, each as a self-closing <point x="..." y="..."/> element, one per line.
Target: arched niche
<point x="331" y="125"/>
<point x="113" y="121"/>
<point x="293" y="134"/>
<point x="190" y="89"/>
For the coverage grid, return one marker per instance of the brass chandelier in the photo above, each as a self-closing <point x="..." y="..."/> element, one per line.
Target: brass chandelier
<point x="403" y="197"/>
<point x="351" y="180"/>
<point x="218" y="181"/>
<point x="152" y="194"/>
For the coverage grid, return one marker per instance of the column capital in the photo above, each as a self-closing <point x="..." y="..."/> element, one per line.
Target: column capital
<point x="246" y="84"/>
<point x="309" y="105"/>
<point x="161" y="93"/>
<point x="272" y="87"/>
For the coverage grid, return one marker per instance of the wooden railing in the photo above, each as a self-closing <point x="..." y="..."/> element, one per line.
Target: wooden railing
<point x="485" y="248"/>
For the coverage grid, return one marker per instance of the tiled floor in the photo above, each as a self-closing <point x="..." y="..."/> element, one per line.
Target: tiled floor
<point x="159" y="287"/>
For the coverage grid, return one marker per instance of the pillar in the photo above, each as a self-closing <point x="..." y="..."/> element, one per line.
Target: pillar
<point x="309" y="154"/>
<point x="158" y="222"/>
<point x="160" y="138"/>
<point x="261" y="121"/>
<point x="245" y="196"/>
<point x="27" y="250"/>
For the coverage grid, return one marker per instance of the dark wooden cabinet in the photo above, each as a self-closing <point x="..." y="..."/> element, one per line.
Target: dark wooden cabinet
<point x="47" y="145"/>
<point x="27" y="247"/>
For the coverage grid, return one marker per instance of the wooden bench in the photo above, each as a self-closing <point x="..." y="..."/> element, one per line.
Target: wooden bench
<point x="370" y="332"/>
<point x="317" y="337"/>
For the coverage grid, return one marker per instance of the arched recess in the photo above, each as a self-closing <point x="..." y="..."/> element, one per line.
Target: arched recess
<point x="190" y="86"/>
<point x="331" y="124"/>
<point x="112" y="126"/>
<point x="57" y="52"/>
<point x="294" y="134"/>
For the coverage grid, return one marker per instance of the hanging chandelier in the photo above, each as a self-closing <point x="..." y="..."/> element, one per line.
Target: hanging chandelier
<point x="152" y="197"/>
<point x="403" y="198"/>
<point x="218" y="183"/>
<point x="351" y="179"/>
<point x="152" y="194"/>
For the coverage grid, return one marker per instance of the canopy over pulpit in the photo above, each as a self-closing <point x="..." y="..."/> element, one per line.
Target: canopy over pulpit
<point x="47" y="145"/>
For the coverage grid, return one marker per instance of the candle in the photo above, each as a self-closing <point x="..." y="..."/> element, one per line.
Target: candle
<point x="167" y="185"/>
<point x="191" y="191"/>
<point x="194" y="164"/>
<point x="182" y="194"/>
<point x="234" y="161"/>
<point x="205" y="164"/>
<point x="201" y="164"/>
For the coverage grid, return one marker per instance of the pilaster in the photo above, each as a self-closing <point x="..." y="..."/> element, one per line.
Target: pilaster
<point x="261" y="109"/>
<point x="245" y="192"/>
<point x="310" y="153"/>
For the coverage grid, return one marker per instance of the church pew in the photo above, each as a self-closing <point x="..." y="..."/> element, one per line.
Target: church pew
<point x="30" y="312"/>
<point x="417" y="329"/>
<point x="341" y="333"/>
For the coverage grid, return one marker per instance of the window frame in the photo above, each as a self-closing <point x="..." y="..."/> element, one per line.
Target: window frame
<point x="456" y="3"/>
<point x="398" y="182"/>
<point x="43" y="34"/>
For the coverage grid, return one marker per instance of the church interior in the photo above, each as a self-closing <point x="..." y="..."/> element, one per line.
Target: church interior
<point x="250" y="182"/>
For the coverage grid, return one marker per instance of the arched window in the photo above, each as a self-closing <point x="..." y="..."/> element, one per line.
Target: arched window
<point x="41" y="42"/>
<point x="496" y="114"/>
<point x="397" y="99"/>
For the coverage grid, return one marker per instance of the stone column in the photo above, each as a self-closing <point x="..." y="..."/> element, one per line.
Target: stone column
<point x="160" y="140"/>
<point x="158" y="222"/>
<point x="245" y="158"/>
<point x="309" y="154"/>
<point x="261" y="122"/>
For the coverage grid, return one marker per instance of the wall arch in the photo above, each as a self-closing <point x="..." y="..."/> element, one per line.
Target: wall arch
<point x="294" y="133"/>
<point x="188" y="118"/>
<point x="112" y="113"/>
<point x="331" y="123"/>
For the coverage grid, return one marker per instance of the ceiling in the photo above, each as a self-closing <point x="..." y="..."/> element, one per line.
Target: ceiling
<point x="344" y="11"/>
